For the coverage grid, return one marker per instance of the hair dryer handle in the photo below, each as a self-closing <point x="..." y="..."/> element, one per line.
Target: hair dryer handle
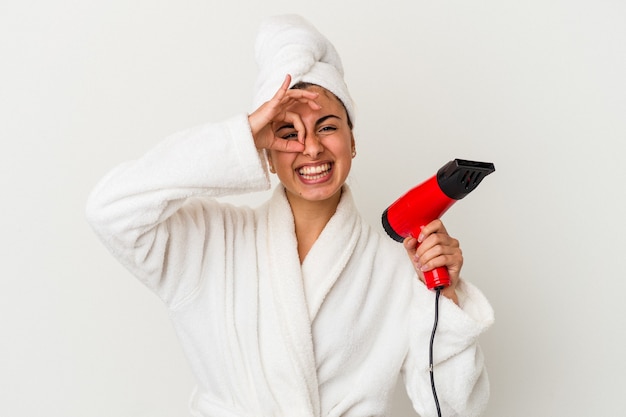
<point x="437" y="278"/>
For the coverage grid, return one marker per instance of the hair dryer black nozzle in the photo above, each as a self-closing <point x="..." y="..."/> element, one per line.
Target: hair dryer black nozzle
<point x="460" y="177"/>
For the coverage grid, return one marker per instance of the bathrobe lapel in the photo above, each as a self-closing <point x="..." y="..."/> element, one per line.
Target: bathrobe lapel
<point x="299" y="291"/>
<point x="289" y="297"/>
<point x="329" y="255"/>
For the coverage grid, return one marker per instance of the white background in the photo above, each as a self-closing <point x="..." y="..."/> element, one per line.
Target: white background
<point x="537" y="87"/>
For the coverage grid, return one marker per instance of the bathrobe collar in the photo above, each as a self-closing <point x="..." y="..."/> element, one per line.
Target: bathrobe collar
<point x="300" y="290"/>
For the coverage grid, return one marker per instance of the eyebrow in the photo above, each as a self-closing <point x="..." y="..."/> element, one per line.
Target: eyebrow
<point x="288" y="126"/>
<point x="323" y="119"/>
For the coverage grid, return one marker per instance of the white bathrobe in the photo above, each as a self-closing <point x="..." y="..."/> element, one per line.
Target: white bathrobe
<point x="268" y="336"/>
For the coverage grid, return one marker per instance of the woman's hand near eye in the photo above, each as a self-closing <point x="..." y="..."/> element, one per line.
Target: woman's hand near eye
<point x="275" y="110"/>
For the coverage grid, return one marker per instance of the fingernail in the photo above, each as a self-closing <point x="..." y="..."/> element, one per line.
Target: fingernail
<point x="421" y="235"/>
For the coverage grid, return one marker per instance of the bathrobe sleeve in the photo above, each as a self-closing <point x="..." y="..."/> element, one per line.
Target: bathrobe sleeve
<point x="144" y="213"/>
<point x="459" y="370"/>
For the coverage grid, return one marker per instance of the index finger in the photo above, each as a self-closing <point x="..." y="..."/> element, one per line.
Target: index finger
<point x="301" y="96"/>
<point x="435" y="226"/>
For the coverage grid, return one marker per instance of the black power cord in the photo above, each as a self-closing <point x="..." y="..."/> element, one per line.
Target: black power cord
<point x="430" y="351"/>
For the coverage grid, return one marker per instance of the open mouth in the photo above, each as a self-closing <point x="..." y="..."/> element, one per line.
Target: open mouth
<point x="312" y="173"/>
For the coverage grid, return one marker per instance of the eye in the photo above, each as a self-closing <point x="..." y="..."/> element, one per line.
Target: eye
<point x="286" y="131"/>
<point x="290" y="136"/>
<point x="327" y="129"/>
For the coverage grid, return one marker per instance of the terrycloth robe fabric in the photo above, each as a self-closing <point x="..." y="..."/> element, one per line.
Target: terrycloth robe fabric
<point x="266" y="335"/>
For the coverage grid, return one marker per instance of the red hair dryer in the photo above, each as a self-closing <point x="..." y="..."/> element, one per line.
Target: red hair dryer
<point x="429" y="201"/>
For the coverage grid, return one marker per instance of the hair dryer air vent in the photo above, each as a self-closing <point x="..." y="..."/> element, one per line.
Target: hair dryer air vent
<point x="460" y="177"/>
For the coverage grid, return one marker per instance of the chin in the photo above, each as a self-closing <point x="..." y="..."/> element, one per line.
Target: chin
<point x="321" y="194"/>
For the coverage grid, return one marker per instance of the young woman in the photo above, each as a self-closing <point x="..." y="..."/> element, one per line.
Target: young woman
<point x="297" y="307"/>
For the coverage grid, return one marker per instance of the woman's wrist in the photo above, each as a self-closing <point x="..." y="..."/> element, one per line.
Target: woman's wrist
<point x="450" y="292"/>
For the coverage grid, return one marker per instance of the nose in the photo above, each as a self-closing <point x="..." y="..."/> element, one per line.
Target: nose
<point x="312" y="146"/>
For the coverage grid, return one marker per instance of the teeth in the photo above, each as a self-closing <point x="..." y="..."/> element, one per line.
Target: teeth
<point x="314" y="172"/>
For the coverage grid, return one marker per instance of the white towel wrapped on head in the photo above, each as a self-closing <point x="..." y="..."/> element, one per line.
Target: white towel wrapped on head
<point x="289" y="44"/>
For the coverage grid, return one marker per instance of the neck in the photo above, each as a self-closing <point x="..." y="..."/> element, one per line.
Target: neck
<point x="310" y="218"/>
